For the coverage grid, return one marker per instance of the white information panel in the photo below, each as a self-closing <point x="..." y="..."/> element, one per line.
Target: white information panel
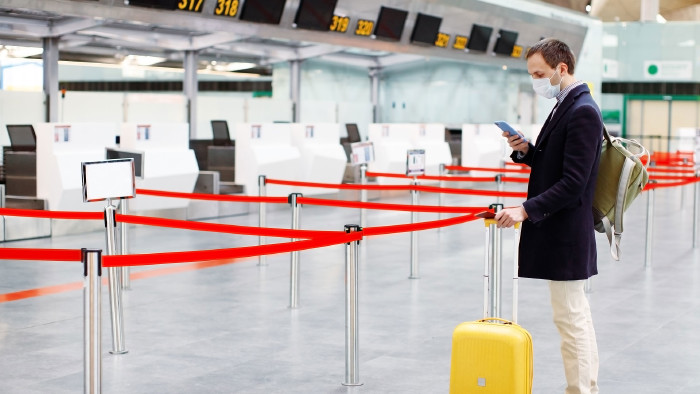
<point x="362" y="152"/>
<point x="108" y="179"/>
<point x="415" y="162"/>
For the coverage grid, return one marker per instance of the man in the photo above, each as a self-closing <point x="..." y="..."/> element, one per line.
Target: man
<point x="558" y="240"/>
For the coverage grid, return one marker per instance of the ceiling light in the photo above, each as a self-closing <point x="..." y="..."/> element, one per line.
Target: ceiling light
<point x="233" y="66"/>
<point x="136" y="60"/>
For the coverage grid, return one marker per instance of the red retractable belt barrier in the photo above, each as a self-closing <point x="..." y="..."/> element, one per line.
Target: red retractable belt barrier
<point x="428" y="189"/>
<point x="669" y="170"/>
<point x="451" y="178"/>
<point x="212" y="197"/>
<point x="487" y="169"/>
<point x="435" y="189"/>
<point x="348" y="186"/>
<point x="388" y="207"/>
<point x="671" y="184"/>
<point x="403" y="228"/>
<point x="36" y="213"/>
<point x="230" y="253"/>
<point x="40" y="254"/>
<point x="223" y="228"/>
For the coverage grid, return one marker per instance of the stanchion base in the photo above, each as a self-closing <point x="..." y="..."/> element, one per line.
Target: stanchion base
<point x="414" y="277"/>
<point x="118" y="352"/>
<point x="352" y="384"/>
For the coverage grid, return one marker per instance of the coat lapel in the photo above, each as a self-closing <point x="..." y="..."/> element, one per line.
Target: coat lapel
<point x="552" y="120"/>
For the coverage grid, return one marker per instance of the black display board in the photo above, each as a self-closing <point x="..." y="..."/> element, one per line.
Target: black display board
<point x="390" y="23"/>
<point x="479" y="38"/>
<point x="262" y="11"/>
<point x="315" y="14"/>
<point x="426" y="29"/>
<point x="162" y="4"/>
<point x="505" y="42"/>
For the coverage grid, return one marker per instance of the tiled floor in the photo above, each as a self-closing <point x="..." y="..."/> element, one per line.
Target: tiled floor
<point x="228" y="329"/>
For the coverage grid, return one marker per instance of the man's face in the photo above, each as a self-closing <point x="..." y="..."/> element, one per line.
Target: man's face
<point x="538" y="68"/>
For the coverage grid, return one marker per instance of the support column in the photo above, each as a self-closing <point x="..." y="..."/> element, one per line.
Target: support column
<point x="50" y="58"/>
<point x="295" y="89"/>
<point x="648" y="10"/>
<point x="190" y="89"/>
<point x="374" y="73"/>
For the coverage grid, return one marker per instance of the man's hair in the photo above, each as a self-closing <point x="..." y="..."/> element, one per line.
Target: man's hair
<point x="554" y="52"/>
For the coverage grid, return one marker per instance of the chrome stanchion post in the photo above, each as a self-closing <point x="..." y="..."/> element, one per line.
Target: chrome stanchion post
<point x="499" y="184"/>
<point x="516" y="243"/>
<point x="443" y="173"/>
<point x="363" y="194"/>
<point x="92" y="320"/>
<point x="496" y="265"/>
<point x="124" y="242"/>
<point x="650" y="227"/>
<point x="588" y="286"/>
<point x="115" y="289"/>
<point x="262" y="214"/>
<point x="352" y="343"/>
<point x="487" y="265"/>
<point x="294" y="266"/>
<point x="414" y="234"/>
<point x="696" y="214"/>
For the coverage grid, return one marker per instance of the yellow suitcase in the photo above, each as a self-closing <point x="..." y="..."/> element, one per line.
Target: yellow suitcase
<point x="492" y="355"/>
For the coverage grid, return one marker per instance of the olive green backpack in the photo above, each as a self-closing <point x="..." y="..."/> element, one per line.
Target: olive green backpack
<point x="621" y="178"/>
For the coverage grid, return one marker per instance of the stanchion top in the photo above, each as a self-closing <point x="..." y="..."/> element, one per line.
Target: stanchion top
<point x="292" y="199"/>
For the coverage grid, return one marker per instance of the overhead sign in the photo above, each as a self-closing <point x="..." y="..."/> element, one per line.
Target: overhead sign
<point x="666" y="70"/>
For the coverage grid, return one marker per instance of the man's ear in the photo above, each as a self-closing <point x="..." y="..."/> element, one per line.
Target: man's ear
<point x="564" y="68"/>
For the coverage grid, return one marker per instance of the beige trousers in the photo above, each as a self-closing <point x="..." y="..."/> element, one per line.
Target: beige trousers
<point x="579" y="350"/>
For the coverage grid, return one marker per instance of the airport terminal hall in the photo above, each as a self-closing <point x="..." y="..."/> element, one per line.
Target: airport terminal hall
<point x="349" y="196"/>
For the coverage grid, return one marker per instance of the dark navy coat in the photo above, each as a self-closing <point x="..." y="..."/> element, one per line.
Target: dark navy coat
<point x="558" y="240"/>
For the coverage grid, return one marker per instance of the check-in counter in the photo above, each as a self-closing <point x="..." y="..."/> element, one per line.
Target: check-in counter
<point x="61" y="149"/>
<point x="484" y="146"/>
<point x="266" y="149"/>
<point x="431" y="137"/>
<point x="392" y="141"/>
<point x="322" y="157"/>
<point x="169" y="164"/>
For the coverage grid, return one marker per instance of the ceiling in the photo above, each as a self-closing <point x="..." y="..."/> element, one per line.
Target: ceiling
<point x="629" y="10"/>
<point x="108" y="31"/>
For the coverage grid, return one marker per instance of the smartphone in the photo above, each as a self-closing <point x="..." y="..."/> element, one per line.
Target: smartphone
<point x="508" y="128"/>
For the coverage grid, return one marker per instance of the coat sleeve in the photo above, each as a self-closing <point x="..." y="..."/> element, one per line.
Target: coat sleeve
<point x="583" y="136"/>
<point x="527" y="159"/>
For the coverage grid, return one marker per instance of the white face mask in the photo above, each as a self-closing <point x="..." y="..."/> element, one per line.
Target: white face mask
<point x="544" y="87"/>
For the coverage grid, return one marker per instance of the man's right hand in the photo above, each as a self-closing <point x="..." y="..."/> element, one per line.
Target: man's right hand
<point x="517" y="143"/>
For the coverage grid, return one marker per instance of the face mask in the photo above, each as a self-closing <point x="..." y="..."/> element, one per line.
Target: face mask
<point x="544" y="87"/>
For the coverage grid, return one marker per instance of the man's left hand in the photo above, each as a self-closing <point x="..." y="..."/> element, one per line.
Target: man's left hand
<point x="509" y="216"/>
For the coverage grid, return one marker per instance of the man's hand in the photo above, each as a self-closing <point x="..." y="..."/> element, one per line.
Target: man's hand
<point x="509" y="216"/>
<point x="517" y="143"/>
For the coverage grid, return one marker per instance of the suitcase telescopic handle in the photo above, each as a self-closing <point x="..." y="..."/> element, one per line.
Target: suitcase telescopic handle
<point x="504" y="321"/>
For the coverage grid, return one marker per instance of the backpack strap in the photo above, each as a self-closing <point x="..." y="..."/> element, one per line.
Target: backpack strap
<point x="619" y="210"/>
